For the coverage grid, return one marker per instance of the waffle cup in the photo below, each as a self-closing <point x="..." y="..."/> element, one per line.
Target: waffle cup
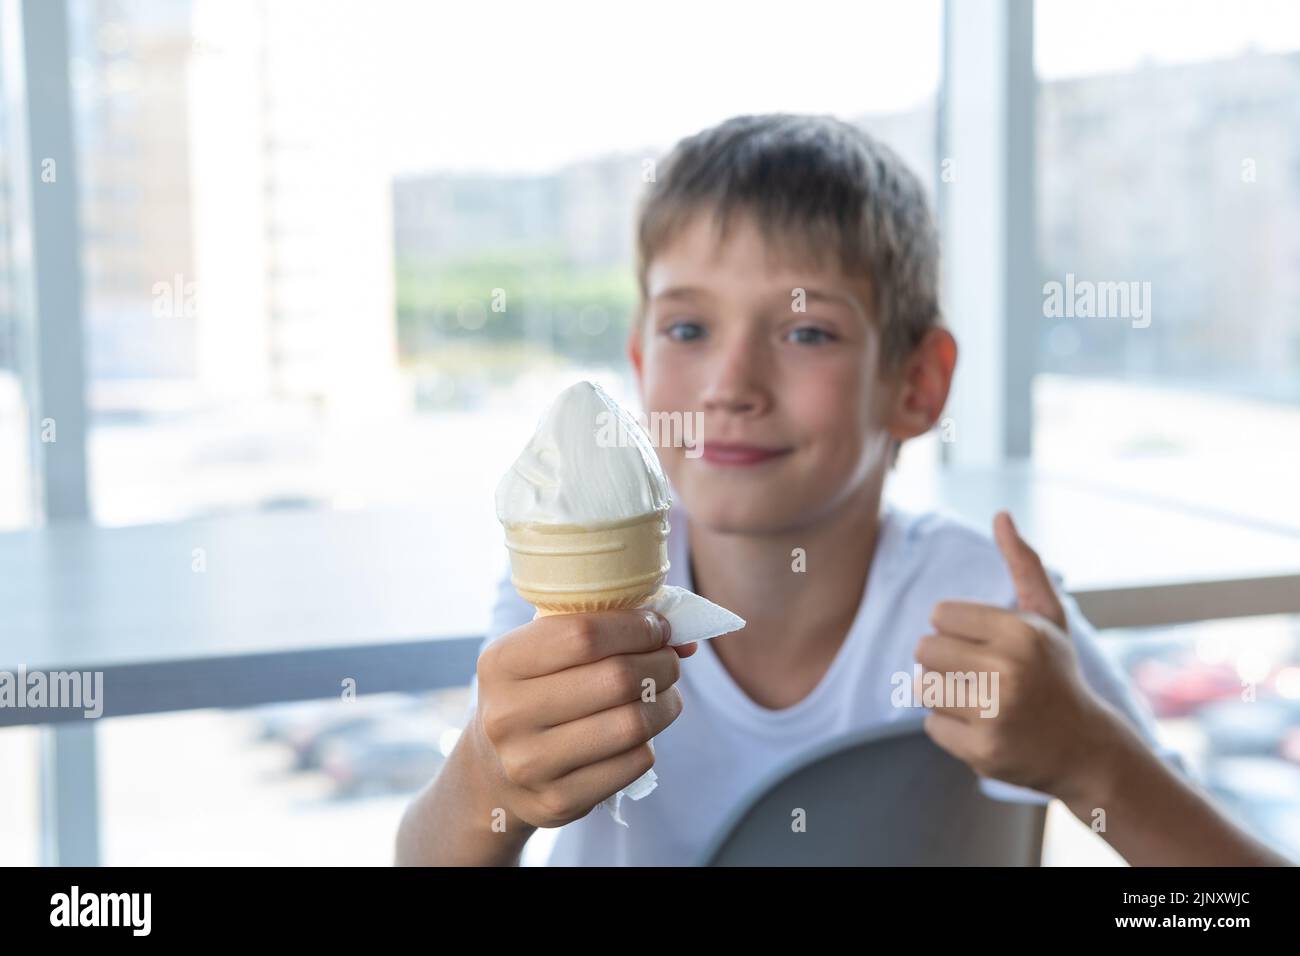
<point x="568" y="569"/>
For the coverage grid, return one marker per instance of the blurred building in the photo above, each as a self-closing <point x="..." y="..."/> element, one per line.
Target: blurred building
<point x="587" y="208"/>
<point x="238" y="232"/>
<point x="1187" y="177"/>
<point x="9" y="331"/>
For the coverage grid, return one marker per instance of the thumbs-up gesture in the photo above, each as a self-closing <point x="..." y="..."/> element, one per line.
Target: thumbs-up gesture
<point x="1045" y="729"/>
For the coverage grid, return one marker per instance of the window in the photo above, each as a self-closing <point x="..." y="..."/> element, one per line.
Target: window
<point x="1169" y="186"/>
<point x="1169" y="351"/>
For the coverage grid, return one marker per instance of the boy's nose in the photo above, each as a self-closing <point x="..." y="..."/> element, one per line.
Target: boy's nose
<point x="738" y="385"/>
<point x="736" y="403"/>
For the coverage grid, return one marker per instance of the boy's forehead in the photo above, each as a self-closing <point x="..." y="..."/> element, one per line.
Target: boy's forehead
<point x="699" y="260"/>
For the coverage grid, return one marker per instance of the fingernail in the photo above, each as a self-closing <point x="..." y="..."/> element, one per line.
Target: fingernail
<point x="658" y="626"/>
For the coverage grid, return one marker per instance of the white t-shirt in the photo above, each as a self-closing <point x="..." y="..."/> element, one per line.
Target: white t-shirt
<point x="723" y="743"/>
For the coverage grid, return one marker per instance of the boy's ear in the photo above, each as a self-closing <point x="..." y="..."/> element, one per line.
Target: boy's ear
<point x="924" y="382"/>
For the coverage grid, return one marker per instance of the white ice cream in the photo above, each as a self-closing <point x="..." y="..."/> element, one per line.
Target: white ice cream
<point x="588" y="463"/>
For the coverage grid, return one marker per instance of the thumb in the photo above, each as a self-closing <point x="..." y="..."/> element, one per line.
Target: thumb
<point x="1034" y="591"/>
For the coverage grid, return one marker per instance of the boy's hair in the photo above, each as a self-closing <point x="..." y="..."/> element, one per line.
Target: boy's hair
<point x="821" y="190"/>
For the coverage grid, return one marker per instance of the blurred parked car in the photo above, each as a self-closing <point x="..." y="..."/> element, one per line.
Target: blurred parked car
<point x="306" y="727"/>
<point x="1243" y="728"/>
<point x="392" y="760"/>
<point x="1178" y="688"/>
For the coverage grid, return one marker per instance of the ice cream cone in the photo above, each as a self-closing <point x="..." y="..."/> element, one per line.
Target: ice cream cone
<point x="567" y="569"/>
<point x="585" y="509"/>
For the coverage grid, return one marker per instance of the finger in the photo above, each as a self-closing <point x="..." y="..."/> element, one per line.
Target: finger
<point x="686" y="650"/>
<point x="1034" y="591"/>
<point x="953" y="735"/>
<point x="555" y="643"/>
<point x="959" y="698"/>
<point x="588" y="786"/>
<point x="555" y="699"/>
<point x="981" y="623"/>
<point x="959" y="678"/>
<point x="955" y="691"/>
<point x="944" y="652"/>
<point x="589" y="740"/>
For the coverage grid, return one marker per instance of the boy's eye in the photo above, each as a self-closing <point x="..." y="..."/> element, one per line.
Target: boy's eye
<point x="684" y="331"/>
<point x="810" y="335"/>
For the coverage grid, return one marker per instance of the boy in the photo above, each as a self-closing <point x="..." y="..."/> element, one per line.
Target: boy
<point x="804" y="409"/>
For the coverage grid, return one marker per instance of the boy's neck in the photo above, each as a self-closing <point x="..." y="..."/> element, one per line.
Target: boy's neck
<point x="795" y="620"/>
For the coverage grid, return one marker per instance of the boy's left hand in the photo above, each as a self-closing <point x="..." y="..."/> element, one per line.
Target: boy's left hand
<point x="1049" y="727"/>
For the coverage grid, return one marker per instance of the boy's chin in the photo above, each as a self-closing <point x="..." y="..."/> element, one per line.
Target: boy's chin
<point x="735" y="513"/>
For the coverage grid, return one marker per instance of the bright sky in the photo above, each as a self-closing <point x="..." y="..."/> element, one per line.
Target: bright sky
<point x="1074" y="38"/>
<point x="510" y="85"/>
<point x="506" y="85"/>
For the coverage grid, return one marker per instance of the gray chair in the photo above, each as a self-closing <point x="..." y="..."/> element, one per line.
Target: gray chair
<point x="888" y="796"/>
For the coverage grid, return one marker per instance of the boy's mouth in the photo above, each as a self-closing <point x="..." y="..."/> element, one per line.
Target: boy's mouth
<point x="729" y="454"/>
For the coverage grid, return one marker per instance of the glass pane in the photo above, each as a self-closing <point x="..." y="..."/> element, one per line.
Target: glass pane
<point x="1169" y="191"/>
<point x="20" y="796"/>
<point x="16" y="473"/>
<point x="1226" y="697"/>
<point x="320" y="783"/>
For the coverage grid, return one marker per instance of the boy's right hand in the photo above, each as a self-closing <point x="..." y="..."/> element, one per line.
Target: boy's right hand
<point x="567" y="705"/>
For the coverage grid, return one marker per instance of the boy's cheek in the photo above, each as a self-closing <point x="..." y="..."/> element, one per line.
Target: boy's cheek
<point x="671" y="459"/>
<point x="669" y="390"/>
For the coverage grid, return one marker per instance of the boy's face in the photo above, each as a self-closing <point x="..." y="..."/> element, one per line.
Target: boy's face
<point x="794" y="413"/>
